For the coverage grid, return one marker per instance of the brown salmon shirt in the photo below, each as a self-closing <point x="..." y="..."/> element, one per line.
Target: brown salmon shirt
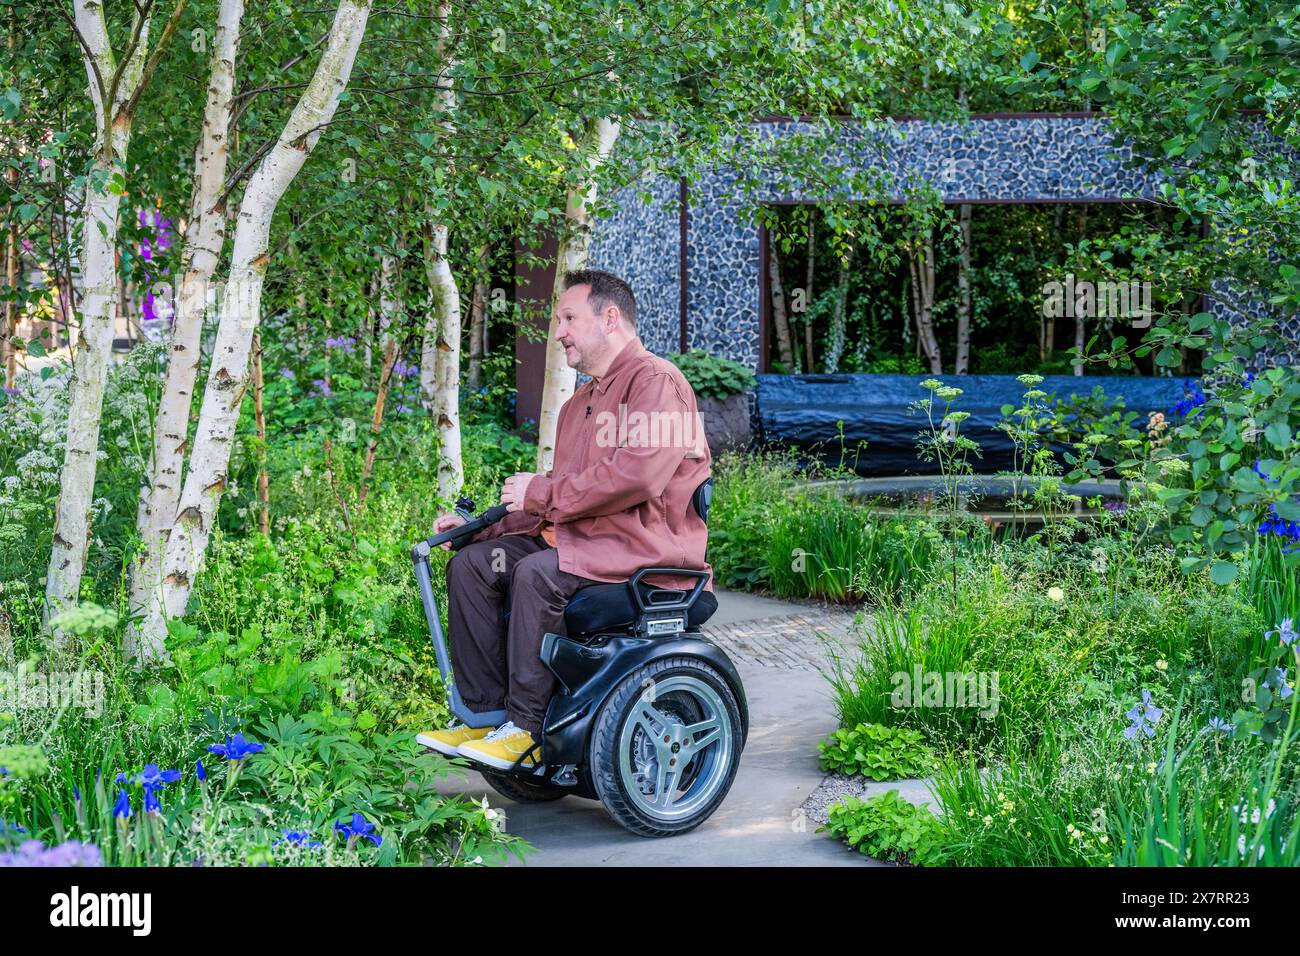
<point x="630" y="451"/>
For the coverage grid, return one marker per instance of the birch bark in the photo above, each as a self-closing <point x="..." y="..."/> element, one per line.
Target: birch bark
<point x="228" y="376"/>
<point x="575" y="245"/>
<point x="440" y="354"/>
<point x="199" y="259"/>
<point x="112" y="90"/>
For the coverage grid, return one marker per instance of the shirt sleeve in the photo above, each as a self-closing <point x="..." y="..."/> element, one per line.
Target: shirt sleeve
<point x="516" y="522"/>
<point x="631" y="474"/>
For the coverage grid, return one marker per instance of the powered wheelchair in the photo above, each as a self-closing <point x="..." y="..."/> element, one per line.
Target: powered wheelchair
<point x="649" y="716"/>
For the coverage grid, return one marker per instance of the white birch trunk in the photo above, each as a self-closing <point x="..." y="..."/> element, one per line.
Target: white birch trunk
<point x="199" y="259"/>
<point x="575" y="244"/>
<point x="440" y="355"/>
<point x="962" y="365"/>
<point x="478" y="320"/>
<point x="779" y="318"/>
<point x="240" y="311"/>
<point x="388" y="306"/>
<point x="94" y="338"/>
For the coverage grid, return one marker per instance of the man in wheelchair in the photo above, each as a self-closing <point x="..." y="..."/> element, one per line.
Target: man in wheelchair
<point x="629" y="455"/>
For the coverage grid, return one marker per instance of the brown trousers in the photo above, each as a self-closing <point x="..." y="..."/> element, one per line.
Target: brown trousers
<point x="497" y="659"/>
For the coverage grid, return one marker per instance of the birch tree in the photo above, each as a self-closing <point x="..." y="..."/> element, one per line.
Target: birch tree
<point x="963" y="293"/>
<point x="115" y="87"/>
<point x="199" y="259"/>
<point x="240" y="313"/>
<point x="440" y="356"/>
<point x="575" y="245"/>
<point x="779" y="317"/>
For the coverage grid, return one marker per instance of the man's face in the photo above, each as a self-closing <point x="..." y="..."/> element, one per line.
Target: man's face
<point x="580" y="330"/>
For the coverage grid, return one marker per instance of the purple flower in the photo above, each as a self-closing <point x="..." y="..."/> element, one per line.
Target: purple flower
<point x="151" y="801"/>
<point x="122" y="808"/>
<point x="344" y="342"/>
<point x="236" y="748"/>
<point x="1277" y="680"/>
<point x="358" y="828"/>
<point x="322" y="387"/>
<point x="1274" y="524"/>
<point x="72" y="853"/>
<point x="11" y="391"/>
<point x="286" y="372"/>
<point x="402" y="370"/>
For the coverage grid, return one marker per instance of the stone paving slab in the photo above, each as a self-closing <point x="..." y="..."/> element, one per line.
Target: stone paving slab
<point x="801" y="640"/>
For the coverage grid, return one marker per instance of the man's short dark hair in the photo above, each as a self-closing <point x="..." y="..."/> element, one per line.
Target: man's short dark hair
<point x="606" y="289"/>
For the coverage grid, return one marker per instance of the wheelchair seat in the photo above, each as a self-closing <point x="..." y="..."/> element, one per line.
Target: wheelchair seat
<point x="606" y="607"/>
<point x="609" y="607"/>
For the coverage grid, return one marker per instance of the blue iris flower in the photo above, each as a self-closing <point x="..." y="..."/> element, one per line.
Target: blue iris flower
<point x="1144" y="716"/>
<point x="1221" y="726"/>
<point x="359" y="828"/>
<point x="1286" y="631"/>
<point x="122" y="808"/>
<point x="298" y="838"/>
<point x="153" y="778"/>
<point x="198" y="769"/>
<point x="236" y="748"/>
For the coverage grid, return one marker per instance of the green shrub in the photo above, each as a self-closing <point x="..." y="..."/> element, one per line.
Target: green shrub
<point x="713" y="376"/>
<point x="877" y="752"/>
<point x="749" y="490"/>
<point x="887" y="827"/>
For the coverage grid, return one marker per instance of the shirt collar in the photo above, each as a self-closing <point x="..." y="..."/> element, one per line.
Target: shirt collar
<point x="625" y="357"/>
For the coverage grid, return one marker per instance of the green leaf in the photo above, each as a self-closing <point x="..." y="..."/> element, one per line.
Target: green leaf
<point x="1278" y="434"/>
<point x="1223" y="572"/>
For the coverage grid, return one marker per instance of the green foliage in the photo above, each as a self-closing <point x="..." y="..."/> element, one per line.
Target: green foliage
<point x="887" y="827"/>
<point x="749" y="492"/>
<point x="877" y="752"/>
<point x="713" y="376"/>
<point x="824" y="545"/>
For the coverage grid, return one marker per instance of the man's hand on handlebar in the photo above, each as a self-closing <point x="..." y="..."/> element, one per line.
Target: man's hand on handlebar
<point x="446" y="523"/>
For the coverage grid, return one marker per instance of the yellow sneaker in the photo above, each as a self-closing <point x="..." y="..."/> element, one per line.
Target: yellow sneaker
<point x="501" y="748"/>
<point x="447" y="741"/>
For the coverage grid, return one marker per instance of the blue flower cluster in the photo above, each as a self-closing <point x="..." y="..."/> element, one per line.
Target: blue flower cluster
<point x="1193" y="397"/>
<point x="1275" y="524"/>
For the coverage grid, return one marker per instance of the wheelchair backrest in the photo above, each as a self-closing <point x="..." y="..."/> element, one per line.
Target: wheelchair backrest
<point x="702" y="498"/>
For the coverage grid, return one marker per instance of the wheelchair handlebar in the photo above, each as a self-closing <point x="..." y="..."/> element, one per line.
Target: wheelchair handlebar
<point x="461" y="534"/>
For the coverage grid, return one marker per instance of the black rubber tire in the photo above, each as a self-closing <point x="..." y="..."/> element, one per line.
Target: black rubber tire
<point x="603" y="756"/>
<point x="522" y="790"/>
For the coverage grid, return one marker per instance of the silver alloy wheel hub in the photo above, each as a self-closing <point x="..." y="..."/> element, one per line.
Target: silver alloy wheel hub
<point x="675" y="748"/>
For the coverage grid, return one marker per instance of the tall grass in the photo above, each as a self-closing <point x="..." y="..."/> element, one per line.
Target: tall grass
<point x="823" y="545"/>
<point x="1272" y="580"/>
